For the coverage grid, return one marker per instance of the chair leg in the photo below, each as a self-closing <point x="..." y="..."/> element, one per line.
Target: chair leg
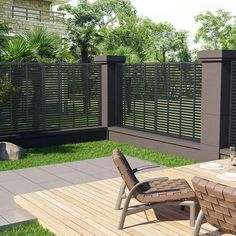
<point x="124" y="211"/>
<point x="191" y="205"/>
<point x="123" y="215"/>
<point x="198" y="224"/>
<point x="121" y="196"/>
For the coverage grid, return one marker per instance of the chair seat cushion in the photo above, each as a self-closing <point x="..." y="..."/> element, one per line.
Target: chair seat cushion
<point x="161" y="191"/>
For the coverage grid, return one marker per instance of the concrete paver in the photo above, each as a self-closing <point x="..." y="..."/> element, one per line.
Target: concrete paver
<point x="16" y="215"/>
<point x="3" y="221"/>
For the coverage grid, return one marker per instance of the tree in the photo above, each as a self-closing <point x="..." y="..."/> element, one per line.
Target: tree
<point x="127" y="39"/>
<point x="165" y="43"/>
<point x="88" y="24"/>
<point x="82" y="28"/>
<point x="216" y="30"/>
<point x="113" y="13"/>
<point x="140" y="39"/>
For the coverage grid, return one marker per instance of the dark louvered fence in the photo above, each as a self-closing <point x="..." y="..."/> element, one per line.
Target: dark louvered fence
<point x="233" y="106"/>
<point x="163" y="98"/>
<point x="51" y="97"/>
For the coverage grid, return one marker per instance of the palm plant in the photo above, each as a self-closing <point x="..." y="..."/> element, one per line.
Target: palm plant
<point x="38" y="45"/>
<point x="18" y="50"/>
<point x="47" y="45"/>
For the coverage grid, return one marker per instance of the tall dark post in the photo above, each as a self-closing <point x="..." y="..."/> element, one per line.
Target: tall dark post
<point x="216" y="76"/>
<point x="111" y="89"/>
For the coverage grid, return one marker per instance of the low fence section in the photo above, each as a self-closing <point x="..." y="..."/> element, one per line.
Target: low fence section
<point x="232" y="137"/>
<point x="162" y="98"/>
<point x="51" y="97"/>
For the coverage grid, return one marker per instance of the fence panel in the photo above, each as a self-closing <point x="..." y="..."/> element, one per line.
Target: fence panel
<point x="163" y="98"/>
<point x="51" y="97"/>
<point x="233" y="106"/>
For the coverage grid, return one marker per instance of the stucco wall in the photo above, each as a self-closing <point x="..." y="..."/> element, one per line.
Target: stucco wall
<point x="5" y="9"/>
<point x="20" y="26"/>
<point x="34" y="4"/>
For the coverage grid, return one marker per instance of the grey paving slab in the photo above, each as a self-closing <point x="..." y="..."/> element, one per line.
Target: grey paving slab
<point x="8" y="175"/>
<point x="105" y="162"/>
<point x="83" y="166"/>
<point x="36" y="175"/>
<point x="105" y="174"/>
<point x="55" y="184"/>
<point x="8" y="204"/>
<point x="57" y="169"/>
<point x="5" y="194"/>
<point x="3" y="221"/>
<point x="20" y="186"/>
<point x="77" y="177"/>
<point x="16" y="215"/>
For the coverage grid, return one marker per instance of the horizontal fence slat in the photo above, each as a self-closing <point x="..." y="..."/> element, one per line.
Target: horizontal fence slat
<point x="51" y="96"/>
<point x="162" y="98"/>
<point x="233" y="106"/>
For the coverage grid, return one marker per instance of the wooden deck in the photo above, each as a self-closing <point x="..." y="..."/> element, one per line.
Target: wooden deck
<point x="88" y="209"/>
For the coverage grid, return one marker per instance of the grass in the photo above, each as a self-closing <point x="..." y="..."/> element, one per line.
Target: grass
<point x="31" y="229"/>
<point x="89" y="150"/>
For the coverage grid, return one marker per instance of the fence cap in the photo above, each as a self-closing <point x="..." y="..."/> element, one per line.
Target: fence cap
<point x="109" y="59"/>
<point x="217" y="55"/>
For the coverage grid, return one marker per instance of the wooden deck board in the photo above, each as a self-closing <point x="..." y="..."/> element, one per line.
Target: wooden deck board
<point x="88" y="209"/>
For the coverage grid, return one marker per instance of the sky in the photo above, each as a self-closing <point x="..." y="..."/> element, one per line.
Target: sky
<point x="180" y="12"/>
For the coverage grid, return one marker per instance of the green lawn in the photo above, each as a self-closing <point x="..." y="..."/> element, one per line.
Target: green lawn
<point x="31" y="229"/>
<point x="88" y="150"/>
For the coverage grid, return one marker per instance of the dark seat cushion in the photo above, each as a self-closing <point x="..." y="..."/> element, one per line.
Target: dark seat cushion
<point x="161" y="191"/>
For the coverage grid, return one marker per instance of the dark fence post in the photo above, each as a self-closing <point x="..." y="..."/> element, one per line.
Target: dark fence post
<point x="111" y="89"/>
<point x="216" y="76"/>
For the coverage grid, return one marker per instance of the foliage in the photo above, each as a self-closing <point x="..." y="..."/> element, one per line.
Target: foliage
<point x="30" y="229"/>
<point x="126" y="39"/>
<point x="4" y="30"/>
<point x="18" y="50"/>
<point x="82" y="27"/>
<point x="88" y="23"/>
<point x="165" y="43"/>
<point x="112" y="27"/>
<point x="113" y="12"/>
<point x="88" y="150"/>
<point x="6" y="89"/>
<point x="37" y="45"/>
<point x="216" y="30"/>
<point x="46" y="44"/>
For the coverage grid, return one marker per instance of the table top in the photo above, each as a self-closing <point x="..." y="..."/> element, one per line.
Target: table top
<point x="189" y="171"/>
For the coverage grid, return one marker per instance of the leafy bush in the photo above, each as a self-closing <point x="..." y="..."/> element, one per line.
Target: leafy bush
<point x="6" y="89"/>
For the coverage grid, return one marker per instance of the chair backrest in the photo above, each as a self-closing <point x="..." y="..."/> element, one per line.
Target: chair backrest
<point x="218" y="203"/>
<point x="124" y="169"/>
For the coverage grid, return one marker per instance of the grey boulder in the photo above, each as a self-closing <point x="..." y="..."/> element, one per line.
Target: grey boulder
<point x="10" y="151"/>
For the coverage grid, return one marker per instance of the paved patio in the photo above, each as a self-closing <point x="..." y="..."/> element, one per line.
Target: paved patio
<point x="34" y="179"/>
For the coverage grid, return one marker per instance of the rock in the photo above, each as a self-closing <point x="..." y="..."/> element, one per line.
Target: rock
<point x="10" y="151"/>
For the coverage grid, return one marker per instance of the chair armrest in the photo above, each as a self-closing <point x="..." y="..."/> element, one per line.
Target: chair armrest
<point x="141" y="168"/>
<point x="130" y="194"/>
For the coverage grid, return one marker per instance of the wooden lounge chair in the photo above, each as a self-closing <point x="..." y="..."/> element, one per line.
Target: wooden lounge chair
<point x="151" y="192"/>
<point x="217" y="202"/>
